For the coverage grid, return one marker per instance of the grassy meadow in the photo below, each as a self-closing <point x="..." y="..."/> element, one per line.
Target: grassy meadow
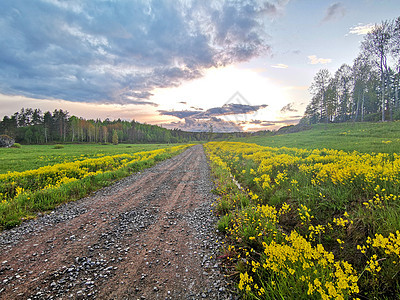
<point x="362" y="137"/>
<point x="30" y="157"/>
<point x="315" y="214"/>
<point x="38" y="178"/>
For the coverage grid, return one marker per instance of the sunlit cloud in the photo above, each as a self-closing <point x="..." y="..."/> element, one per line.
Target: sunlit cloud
<point x="361" y="29"/>
<point x="213" y="124"/>
<point x="225" y="110"/>
<point x="198" y="120"/>
<point x="280" y="66"/>
<point x="256" y="125"/>
<point x="314" y="60"/>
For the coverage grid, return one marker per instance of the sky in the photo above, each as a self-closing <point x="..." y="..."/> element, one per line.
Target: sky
<point x="193" y="65"/>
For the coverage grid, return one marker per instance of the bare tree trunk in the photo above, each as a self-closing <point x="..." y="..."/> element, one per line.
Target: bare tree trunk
<point x="390" y="105"/>
<point x="383" y="92"/>
<point x="358" y="108"/>
<point x="362" y="106"/>
<point x="326" y="106"/>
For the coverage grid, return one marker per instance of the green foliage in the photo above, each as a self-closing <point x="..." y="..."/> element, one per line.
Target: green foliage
<point x="16" y="145"/>
<point x="28" y="135"/>
<point x="58" y="146"/>
<point x="115" y="137"/>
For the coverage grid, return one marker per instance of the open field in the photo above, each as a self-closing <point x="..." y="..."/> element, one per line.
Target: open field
<point x="362" y="137"/>
<point x="23" y="194"/>
<point x="30" y="157"/>
<point x="309" y="223"/>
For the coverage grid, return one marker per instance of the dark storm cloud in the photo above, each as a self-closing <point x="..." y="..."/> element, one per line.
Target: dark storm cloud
<point x="334" y="11"/>
<point x="225" y="110"/>
<point x="119" y="51"/>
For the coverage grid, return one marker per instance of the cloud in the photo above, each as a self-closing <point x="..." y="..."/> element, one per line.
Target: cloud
<point x="334" y="11"/>
<point x="314" y="60"/>
<point x="119" y="51"/>
<point x="225" y="110"/>
<point x="361" y="29"/>
<point x="257" y="125"/>
<point x="181" y="114"/>
<point x="288" y="108"/>
<point x="199" y="120"/>
<point x="280" y="66"/>
<point x="193" y="125"/>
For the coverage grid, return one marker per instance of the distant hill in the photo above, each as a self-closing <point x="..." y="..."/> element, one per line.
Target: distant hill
<point x="362" y="137"/>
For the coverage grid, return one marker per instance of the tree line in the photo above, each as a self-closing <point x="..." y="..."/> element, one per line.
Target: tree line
<point x="366" y="91"/>
<point x="32" y="126"/>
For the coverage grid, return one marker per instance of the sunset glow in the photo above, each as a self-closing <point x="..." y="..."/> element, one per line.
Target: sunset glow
<point x="154" y="61"/>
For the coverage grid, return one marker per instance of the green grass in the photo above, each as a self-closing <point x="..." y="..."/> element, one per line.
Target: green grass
<point x="31" y="197"/>
<point x="30" y="157"/>
<point x="362" y="137"/>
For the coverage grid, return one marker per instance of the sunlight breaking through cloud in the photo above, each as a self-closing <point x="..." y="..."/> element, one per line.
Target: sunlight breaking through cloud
<point x="119" y="52"/>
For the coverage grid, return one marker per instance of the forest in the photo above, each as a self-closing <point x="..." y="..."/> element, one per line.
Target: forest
<point x="366" y="91"/>
<point x="32" y="126"/>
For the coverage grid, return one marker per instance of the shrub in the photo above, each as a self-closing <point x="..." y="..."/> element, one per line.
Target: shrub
<point x="58" y="146"/>
<point x="16" y="145"/>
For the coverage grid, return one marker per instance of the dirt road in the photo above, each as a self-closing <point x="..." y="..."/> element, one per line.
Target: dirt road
<point x="148" y="236"/>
